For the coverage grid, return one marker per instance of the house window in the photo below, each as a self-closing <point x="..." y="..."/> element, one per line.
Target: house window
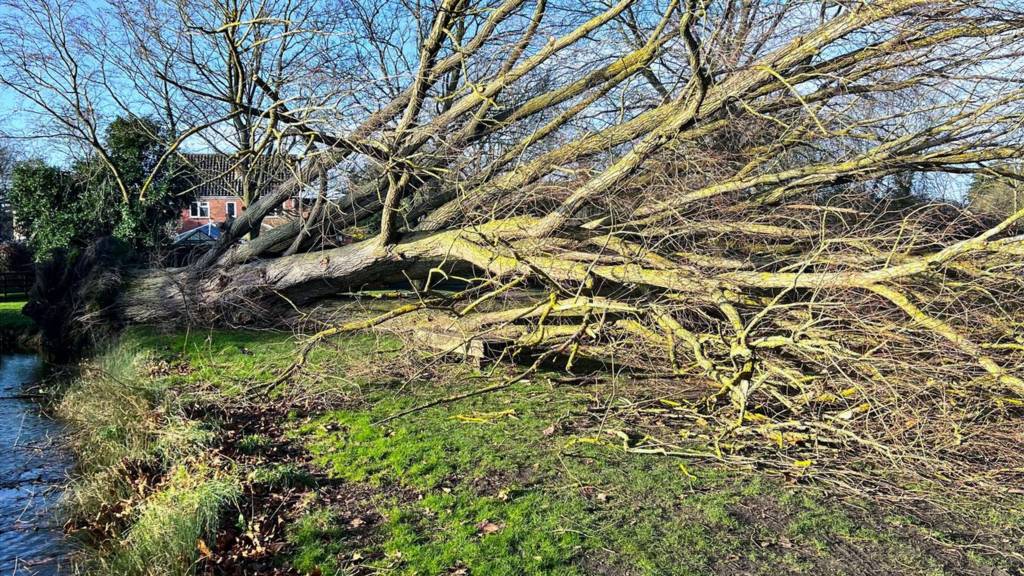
<point x="199" y="210"/>
<point x="230" y="206"/>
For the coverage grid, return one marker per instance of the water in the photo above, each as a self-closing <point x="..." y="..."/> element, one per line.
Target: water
<point x="32" y="467"/>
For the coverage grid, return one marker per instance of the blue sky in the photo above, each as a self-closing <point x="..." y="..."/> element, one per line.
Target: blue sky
<point x="16" y="120"/>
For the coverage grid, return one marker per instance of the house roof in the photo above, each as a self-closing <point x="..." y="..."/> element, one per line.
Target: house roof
<point x="221" y="175"/>
<point x="200" y="235"/>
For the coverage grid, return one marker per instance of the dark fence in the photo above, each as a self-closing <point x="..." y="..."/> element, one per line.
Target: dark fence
<point x="12" y="283"/>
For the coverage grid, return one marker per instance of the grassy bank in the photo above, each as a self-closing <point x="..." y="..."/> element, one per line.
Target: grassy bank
<point x="192" y="465"/>
<point x="11" y="318"/>
<point x="147" y="487"/>
<point x="16" y="329"/>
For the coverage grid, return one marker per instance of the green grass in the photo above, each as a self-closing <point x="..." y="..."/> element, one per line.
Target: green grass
<point x="11" y="317"/>
<point x="564" y="506"/>
<point x="518" y="481"/>
<point x="121" y="422"/>
<point x="281" y="477"/>
<point x="254" y="443"/>
<point x="228" y="361"/>
<point x="555" y="506"/>
<point x="233" y="361"/>
<point x="319" y="537"/>
<point x="162" y="541"/>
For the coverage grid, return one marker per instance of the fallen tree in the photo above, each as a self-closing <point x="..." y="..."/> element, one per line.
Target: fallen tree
<point x="743" y="198"/>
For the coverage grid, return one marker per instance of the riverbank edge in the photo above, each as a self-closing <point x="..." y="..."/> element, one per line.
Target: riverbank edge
<point x="19" y="341"/>
<point x="148" y="487"/>
<point x="18" y="332"/>
<point x="163" y="465"/>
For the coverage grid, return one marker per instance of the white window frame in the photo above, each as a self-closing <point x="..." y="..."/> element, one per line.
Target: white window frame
<point x="199" y="210"/>
<point x="231" y="209"/>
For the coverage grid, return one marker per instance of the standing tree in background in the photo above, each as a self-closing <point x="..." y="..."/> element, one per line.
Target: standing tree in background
<point x="68" y="209"/>
<point x="998" y="192"/>
<point x="7" y="162"/>
<point x="222" y="66"/>
<point x="46" y="202"/>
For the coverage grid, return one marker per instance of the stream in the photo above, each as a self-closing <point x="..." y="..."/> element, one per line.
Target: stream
<point x="33" y="467"/>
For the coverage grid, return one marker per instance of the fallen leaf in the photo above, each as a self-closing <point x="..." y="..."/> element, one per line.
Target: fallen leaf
<point x="204" y="549"/>
<point x="488" y="527"/>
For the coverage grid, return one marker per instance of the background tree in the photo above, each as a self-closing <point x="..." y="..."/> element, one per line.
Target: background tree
<point x="68" y="209"/>
<point x="227" y="67"/>
<point x="998" y="193"/>
<point x="7" y="162"/>
<point x="45" y="199"/>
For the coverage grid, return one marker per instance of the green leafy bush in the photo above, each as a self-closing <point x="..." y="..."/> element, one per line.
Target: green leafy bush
<point x="67" y="209"/>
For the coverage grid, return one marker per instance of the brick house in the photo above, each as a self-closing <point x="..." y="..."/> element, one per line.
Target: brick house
<point x="217" y="198"/>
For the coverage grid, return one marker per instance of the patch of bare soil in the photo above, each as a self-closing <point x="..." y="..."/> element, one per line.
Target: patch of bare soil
<point x="255" y="542"/>
<point x="843" y="555"/>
